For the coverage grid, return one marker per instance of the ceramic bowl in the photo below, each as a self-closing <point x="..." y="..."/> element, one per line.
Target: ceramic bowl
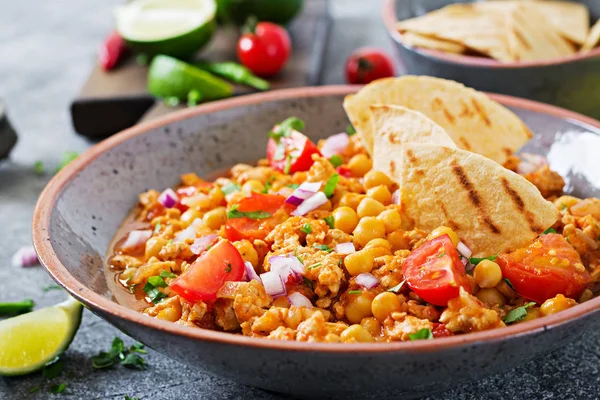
<point x="571" y="82"/>
<point x="81" y="208"/>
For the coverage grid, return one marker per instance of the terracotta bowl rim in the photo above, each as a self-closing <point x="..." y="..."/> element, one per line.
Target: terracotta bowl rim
<point x="48" y="258"/>
<point x="390" y="21"/>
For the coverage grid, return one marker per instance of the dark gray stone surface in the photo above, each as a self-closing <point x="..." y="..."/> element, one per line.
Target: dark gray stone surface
<point x="46" y="50"/>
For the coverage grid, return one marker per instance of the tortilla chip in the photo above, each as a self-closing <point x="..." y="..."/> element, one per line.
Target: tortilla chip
<point x="430" y="42"/>
<point x="492" y="209"/>
<point x="593" y="38"/>
<point x="472" y="120"/>
<point x="395" y="125"/>
<point x="571" y="19"/>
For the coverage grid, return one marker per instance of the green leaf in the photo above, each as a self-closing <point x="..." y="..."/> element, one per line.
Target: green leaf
<point x="117" y="346"/>
<point x="336" y="160"/>
<point x="350" y="130"/>
<point x="153" y="293"/>
<point x="475" y="260"/>
<point x="58" y="389"/>
<point x="268" y="184"/>
<point x="38" y="167"/>
<point x="549" y="230"/>
<point x="330" y="221"/>
<point x="66" y="158"/>
<point x="421" y="334"/>
<point x="131" y="398"/>
<point x="284" y="129"/>
<point x="315" y="265"/>
<point x="330" y="185"/>
<point x="103" y="360"/>
<point x="137" y="348"/>
<point x="396" y="288"/>
<point x="133" y="361"/>
<point x="323" y="247"/>
<point x="230" y="188"/>
<point x="53" y="370"/>
<point x="167" y="274"/>
<point x="157" y="281"/>
<point x="306" y="228"/>
<point x="235" y="213"/>
<point x="517" y="314"/>
<point x="509" y="283"/>
<point x="354" y="291"/>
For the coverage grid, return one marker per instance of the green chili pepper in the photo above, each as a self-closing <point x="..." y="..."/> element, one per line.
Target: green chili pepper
<point x="234" y="72"/>
<point x="16" y="307"/>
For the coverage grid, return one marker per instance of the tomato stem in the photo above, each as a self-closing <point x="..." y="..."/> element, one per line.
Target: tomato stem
<point x="250" y="25"/>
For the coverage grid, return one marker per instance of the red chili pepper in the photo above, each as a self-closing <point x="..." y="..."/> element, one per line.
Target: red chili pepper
<point x="112" y="51"/>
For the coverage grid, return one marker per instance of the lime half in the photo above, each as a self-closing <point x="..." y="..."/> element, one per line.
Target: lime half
<point x="169" y="77"/>
<point x="31" y="340"/>
<point x="174" y="27"/>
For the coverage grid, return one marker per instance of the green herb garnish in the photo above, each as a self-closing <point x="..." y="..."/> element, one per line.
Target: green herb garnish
<point x="268" y="184"/>
<point x="235" y="213"/>
<point x="153" y="293"/>
<point x="16" y="307"/>
<point x="157" y="281"/>
<point x="119" y="354"/>
<point x="396" y="288"/>
<point x="34" y="389"/>
<point x="350" y="130"/>
<point x="549" y="230"/>
<point x="133" y="361"/>
<point x="38" y="167"/>
<point x="308" y="282"/>
<point x="354" y="291"/>
<point x="475" y="260"/>
<point x="509" y="283"/>
<point x="330" y="221"/>
<point x="517" y="314"/>
<point x="306" y="228"/>
<point x="285" y="128"/>
<point x="336" y="160"/>
<point x="421" y="334"/>
<point x="131" y="398"/>
<point x="167" y="274"/>
<point x="315" y="265"/>
<point x="53" y="370"/>
<point x="323" y="247"/>
<point x="58" y="389"/>
<point x="48" y="288"/>
<point x="230" y="188"/>
<point x="330" y="185"/>
<point x="66" y="158"/>
<point x="288" y="165"/>
<point x="293" y="186"/>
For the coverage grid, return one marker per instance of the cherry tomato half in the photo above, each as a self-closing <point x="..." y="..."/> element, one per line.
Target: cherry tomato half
<point x="367" y="64"/>
<point x="434" y="271"/>
<point x="251" y="229"/>
<point x="265" y="49"/>
<point x="545" y="269"/>
<point x="203" y="279"/>
<point x="291" y="154"/>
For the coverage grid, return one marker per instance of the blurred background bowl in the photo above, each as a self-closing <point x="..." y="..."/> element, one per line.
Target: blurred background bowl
<point x="571" y="82"/>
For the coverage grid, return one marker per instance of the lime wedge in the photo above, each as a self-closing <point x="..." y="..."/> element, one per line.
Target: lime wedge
<point x="174" y="27"/>
<point x="31" y="340"/>
<point x="169" y="77"/>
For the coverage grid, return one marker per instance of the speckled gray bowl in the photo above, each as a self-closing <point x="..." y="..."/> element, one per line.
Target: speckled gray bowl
<point x="79" y="211"/>
<point x="570" y="82"/>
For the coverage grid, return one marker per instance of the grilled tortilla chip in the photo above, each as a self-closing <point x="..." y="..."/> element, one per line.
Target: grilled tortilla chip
<point x="593" y="38"/>
<point x="492" y="209"/>
<point x="472" y="120"/>
<point x="571" y="19"/>
<point x="395" y="125"/>
<point x="433" y="43"/>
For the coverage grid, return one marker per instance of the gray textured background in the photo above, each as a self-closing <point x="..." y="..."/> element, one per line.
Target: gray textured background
<point x="46" y="50"/>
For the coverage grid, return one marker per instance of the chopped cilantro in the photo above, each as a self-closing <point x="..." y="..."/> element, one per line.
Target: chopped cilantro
<point x="336" y="160"/>
<point x="48" y="288"/>
<point x="288" y="164"/>
<point x="58" y="389"/>
<point x="268" y="184"/>
<point x="509" y="283"/>
<point x="230" y="188"/>
<point x="421" y="334"/>
<point x="330" y="221"/>
<point x="66" y="158"/>
<point x="396" y="288"/>
<point x="157" y="281"/>
<point x="131" y="398"/>
<point x="306" y="228"/>
<point x="315" y="265"/>
<point x="155" y="295"/>
<point x="549" y="230"/>
<point x="517" y="314"/>
<point x="350" y="130"/>
<point x="235" y="213"/>
<point x="167" y="274"/>
<point x="137" y="348"/>
<point x="34" y="389"/>
<point x="475" y="260"/>
<point x="293" y="186"/>
<point x="133" y="361"/>
<point x="53" y="370"/>
<point x="308" y="282"/>
<point x="38" y="167"/>
<point x="119" y="354"/>
<point x="284" y="129"/>
<point x="354" y="291"/>
<point x="157" y="228"/>
<point x="323" y="247"/>
<point x="330" y="185"/>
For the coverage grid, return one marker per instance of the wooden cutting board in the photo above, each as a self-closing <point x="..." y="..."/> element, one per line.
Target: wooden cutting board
<point x="115" y="100"/>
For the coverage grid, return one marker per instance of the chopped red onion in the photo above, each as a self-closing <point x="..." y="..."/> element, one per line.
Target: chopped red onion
<point x="287" y="267"/>
<point x="299" y="300"/>
<point x="367" y="280"/>
<point x="345" y="248"/>
<point x="136" y="239"/>
<point x="188" y="190"/>
<point x="312" y="203"/>
<point x="251" y="272"/>
<point x="464" y="250"/>
<point x="25" y="257"/>
<point x="274" y="285"/>
<point x="335" y="144"/>
<point x="168" y="198"/>
<point x="202" y="244"/>
<point x="396" y="197"/>
<point x="304" y="191"/>
<point x="189" y="232"/>
<point x="530" y="163"/>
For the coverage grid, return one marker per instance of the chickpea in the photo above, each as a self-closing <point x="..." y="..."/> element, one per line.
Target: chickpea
<point x="345" y="219"/>
<point x="379" y="242"/>
<point x="532" y="313"/>
<point x="369" y="207"/>
<point x="586" y="295"/>
<point x="216" y="196"/>
<point x="351" y="200"/>
<point x="375" y="178"/>
<point x="359" y="307"/>
<point x="380" y="193"/>
<point x="556" y="304"/>
<point x="384" y="304"/>
<point x="397" y="240"/>
<point x="247" y="251"/>
<point x="368" y="228"/>
<point x="391" y="219"/>
<point x="359" y="165"/>
<point x="378" y="251"/>
<point x="444" y="230"/>
<point x="491" y="296"/>
<point x="252" y="185"/>
<point x="358" y="262"/>
<point x="190" y="215"/>
<point x="282" y="302"/>
<point x="171" y="314"/>
<point x="372" y="325"/>
<point x="153" y="246"/>
<point x="487" y="274"/>
<point x="566" y="201"/>
<point x="215" y="218"/>
<point x="356" y="333"/>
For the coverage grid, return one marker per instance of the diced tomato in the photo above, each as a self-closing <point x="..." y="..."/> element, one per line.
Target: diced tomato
<point x="434" y="271"/>
<point x="344" y="171"/>
<point x="544" y="269"/>
<point x="251" y="229"/>
<point x="203" y="279"/>
<point x="292" y="153"/>
<point x="440" y="330"/>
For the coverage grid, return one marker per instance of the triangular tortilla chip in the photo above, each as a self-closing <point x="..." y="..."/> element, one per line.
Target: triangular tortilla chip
<point x="593" y="38"/>
<point x="472" y="120"/>
<point x="571" y="19"/>
<point x="395" y="125"/>
<point x="492" y="209"/>
<point x="430" y="42"/>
